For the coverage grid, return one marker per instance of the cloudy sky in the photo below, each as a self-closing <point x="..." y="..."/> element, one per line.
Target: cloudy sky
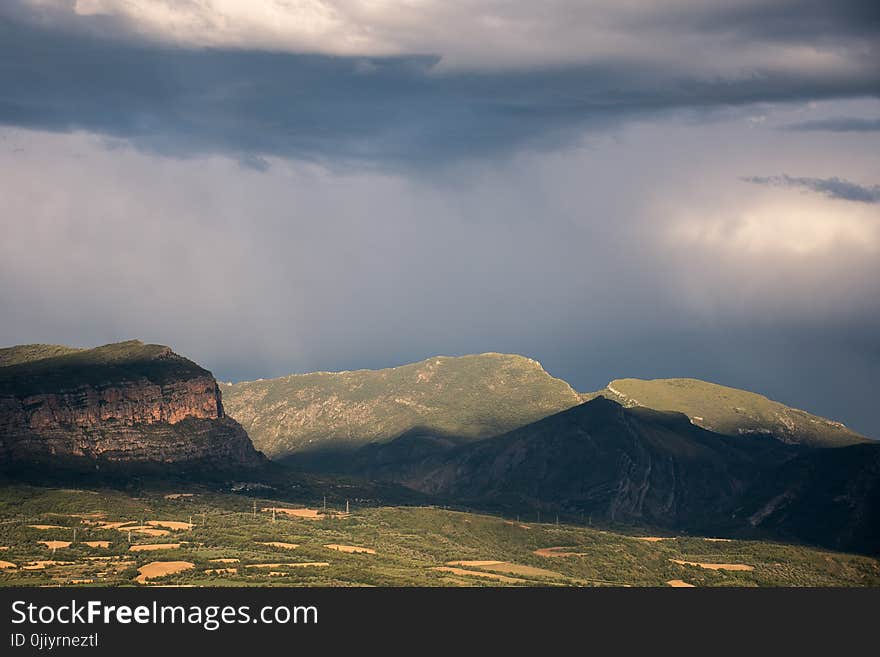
<point x="613" y="187"/>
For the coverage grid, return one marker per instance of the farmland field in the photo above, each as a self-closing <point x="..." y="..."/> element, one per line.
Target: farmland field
<point x="72" y="537"/>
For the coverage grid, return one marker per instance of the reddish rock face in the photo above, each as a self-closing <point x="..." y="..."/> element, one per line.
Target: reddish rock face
<point x="166" y="415"/>
<point x="125" y="404"/>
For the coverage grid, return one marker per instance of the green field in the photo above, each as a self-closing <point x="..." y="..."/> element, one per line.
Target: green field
<point x="409" y="544"/>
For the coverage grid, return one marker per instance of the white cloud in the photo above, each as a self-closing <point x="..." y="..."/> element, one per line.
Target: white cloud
<point x="805" y="227"/>
<point x="693" y="35"/>
<point x="297" y="25"/>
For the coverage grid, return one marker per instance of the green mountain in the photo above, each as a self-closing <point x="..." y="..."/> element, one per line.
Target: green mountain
<point x="730" y="411"/>
<point x="469" y="397"/>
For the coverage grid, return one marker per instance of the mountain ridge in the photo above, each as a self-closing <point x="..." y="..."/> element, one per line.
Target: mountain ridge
<point x="472" y="396"/>
<point x="319" y="411"/>
<point x="731" y="411"/>
<point x="24" y="353"/>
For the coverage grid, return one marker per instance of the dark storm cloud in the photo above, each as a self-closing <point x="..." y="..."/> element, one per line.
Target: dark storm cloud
<point x="255" y="162"/>
<point x="805" y="21"/>
<point x="831" y="187"/>
<point x="801" y="20"/>
<point x="836" y="124"/>
<point x="393" y="110"/>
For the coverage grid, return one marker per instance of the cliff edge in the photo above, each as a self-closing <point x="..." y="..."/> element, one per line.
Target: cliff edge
<point x="127" y="402"/>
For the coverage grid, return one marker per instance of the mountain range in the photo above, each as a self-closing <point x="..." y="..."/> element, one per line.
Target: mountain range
<point x="491" y="431"/>
<point x="477" y="396"/>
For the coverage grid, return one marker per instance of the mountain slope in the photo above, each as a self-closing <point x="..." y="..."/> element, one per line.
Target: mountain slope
<point x="623" y="465"/>
<point x="648" y="468"/>
<point x="828" y="497"/>
<point x="731" y="411"/>
<point x="468" y="396"/>
<point x="123" y="403"/>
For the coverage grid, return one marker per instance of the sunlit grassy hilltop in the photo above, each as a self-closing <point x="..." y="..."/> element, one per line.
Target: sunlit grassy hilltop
<point x="731" y="411"/>
<point x="467" y="396"/>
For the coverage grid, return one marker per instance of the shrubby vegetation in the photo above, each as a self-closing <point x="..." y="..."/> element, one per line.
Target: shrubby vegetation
<point x="409" y="542"/>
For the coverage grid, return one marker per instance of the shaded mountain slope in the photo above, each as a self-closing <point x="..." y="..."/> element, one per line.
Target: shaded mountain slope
<point x="827" y="497"/>
<point x="648" y="468"/>
<point x="624" y="465"/>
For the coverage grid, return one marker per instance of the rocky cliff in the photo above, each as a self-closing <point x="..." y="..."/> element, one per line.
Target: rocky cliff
<point x="122" y="403"/>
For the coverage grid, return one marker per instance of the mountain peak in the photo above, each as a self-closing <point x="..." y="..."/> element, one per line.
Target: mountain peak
<point x="731" y="411"/>
<point x="471" y="396"/>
